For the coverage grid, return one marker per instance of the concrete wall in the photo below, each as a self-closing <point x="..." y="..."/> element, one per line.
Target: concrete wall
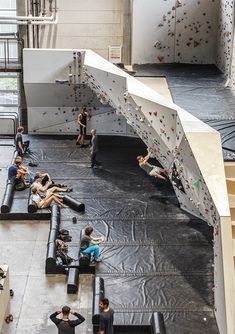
<point x="85" y="25"/>
<point x="182" y="31"/>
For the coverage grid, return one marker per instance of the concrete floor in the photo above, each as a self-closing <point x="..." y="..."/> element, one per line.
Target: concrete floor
<point x="23" y="248"/>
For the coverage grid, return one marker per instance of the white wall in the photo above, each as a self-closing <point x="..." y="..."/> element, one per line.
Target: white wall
<point x="186" y="31"/>
<point x="225" y="35"/>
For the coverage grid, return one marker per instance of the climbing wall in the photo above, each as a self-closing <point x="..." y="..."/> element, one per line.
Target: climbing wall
<point x="225" y="35"/>
<point x="56" y="93"/>
<point x="170" y="31"/>
<point x="120" y="104"/>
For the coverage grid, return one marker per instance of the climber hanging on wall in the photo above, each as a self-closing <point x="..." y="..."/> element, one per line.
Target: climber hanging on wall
<point x="151" y="170"/>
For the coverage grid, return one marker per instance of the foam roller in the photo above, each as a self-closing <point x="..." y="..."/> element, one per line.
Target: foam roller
<point x="157" y="323"/>
<point x="8" y="197"/>
<point x="73" y="204"/>
<point x="32" y="207"/>
<point x="72" y="285"/>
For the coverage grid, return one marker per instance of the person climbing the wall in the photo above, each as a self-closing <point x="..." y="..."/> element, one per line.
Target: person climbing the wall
<point x="82" y="121"/>
<point x="21" y="146"/>
<point x="106" y="317"/>
<point x="151" y="170"/>
<point x="90" y="245"/>
<point x="94" y="149"/>
<point x="64" y="324"/>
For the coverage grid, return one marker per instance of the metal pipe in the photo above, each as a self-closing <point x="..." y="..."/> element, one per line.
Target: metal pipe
<point x="24" y="23"/>
<point x="26" y="7"/>
<point x="32" y="22"/>
<point x="29" y="8"/>
<point x="44" y="8"/>
<point x="5" y="56"/>
<point x="28" y="18"/>
<point x="32" y="9"/>
<point x="8" y="52"/>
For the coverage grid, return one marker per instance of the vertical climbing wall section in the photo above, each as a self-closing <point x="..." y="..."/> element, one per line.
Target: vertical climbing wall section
<point x="225" y="35"/>
<point x="170" y="31"/>
<point x="56" y="92"/>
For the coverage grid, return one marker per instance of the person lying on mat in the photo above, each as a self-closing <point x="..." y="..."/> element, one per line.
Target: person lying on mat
<point x="152" y="170"/>
<point x="89" y="244"/>
<point x="46" y="202"/>
<point x="46" y="189"/>
<point x="46" y="179"/>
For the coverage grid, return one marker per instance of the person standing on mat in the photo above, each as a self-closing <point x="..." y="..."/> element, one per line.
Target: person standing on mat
<point x="82" y="121"/>
<point x="94" y="149"/>
<point x="152" y="170"/>
<point x="64" y="324"/>
<point x="106" y="317"/>
<point x="21" y="146"/>
<point x="90" y="245"/>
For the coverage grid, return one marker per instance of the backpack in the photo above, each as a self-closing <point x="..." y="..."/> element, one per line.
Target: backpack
<point x="20" y="186"/>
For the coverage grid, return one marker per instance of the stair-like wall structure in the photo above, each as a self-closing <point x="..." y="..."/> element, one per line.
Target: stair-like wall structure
<point x="189" y="149"/>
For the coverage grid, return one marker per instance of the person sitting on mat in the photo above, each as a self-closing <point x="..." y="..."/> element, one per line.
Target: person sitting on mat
<point x="21" y="146"/>
<point x="46" y="202"/>
<point x="82" y="121"/>
<point x="17" y="174"/>
<point x="46" y="189"/>
<point x="90" y="244"/>
<point x="152" y="170"/>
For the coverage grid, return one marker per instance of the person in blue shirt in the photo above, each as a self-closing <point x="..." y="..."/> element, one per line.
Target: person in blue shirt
<point x="17" y="172"/>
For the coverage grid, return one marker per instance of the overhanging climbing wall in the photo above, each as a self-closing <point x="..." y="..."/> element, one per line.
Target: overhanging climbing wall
<point x="189" y="149"/>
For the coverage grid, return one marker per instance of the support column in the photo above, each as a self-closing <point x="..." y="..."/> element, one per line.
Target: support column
<point x="127" y="26"/>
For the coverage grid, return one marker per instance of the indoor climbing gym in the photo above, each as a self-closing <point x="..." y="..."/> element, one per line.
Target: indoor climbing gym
<point x="117" y="167"/>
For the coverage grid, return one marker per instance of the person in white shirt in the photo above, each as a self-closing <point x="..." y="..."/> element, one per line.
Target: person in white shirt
<point x="46" y="202"/>
<point x="47" y="189"/>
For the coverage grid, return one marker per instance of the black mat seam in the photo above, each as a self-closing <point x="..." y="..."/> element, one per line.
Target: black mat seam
<point x="160" y="309"/>
<point x="108" y="219"/>
<point x="153" y="274"/>
<point x="131" y="244"/>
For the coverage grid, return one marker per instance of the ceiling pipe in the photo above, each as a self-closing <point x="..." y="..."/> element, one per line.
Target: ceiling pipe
<point x="24" y="23"/>
<point x="27" y="18"/>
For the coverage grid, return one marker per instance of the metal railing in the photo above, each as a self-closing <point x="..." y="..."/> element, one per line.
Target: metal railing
<point x="11" y="58"/>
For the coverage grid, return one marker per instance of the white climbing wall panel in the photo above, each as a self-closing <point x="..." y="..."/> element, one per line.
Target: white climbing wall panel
<point x="188" y="148"/>
<point x="166" y="31"/>
<point x="196" y="31"/>
<point x="225" y="35"/>
<point x="153" y="28"/>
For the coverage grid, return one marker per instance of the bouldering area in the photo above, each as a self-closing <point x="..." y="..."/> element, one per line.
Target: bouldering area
<point x="117" y="169"/>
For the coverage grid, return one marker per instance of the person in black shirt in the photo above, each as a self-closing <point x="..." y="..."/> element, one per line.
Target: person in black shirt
<point x="90" y="244"/>
<point x="106" y="317"/>
<point x="82" y="121"/>
<point x="65" y="325"/>
<point x="94" y="149"/>
<point x="21" y="146"/>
